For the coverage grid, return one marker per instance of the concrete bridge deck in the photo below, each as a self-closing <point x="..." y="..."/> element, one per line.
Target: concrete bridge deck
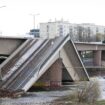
<point x="83" y="46"/>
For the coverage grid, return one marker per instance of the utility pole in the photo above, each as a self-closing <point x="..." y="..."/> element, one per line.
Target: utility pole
<point x="34" y="16"/>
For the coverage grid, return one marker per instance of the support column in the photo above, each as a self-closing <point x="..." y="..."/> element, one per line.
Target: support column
<point x="103" y="55"/>
<point x="97" y="58"/>
<point x="56" y="73"/>
<point x="52" y="77"/>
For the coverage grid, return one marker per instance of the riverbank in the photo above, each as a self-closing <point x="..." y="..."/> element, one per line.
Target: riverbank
<point x="36" y="98"/>
<point x="56" y="97"/>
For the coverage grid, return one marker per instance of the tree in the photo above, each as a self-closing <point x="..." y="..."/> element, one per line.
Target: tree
<point x="98" y="37"/>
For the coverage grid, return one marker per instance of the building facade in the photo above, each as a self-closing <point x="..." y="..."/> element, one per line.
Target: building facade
<point x="87" y="32"/>
<point x="54" y="29"/>
<point x="78" y="32"/>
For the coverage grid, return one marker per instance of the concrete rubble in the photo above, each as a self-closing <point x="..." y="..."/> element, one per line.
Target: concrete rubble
<point x="10" y="93"/>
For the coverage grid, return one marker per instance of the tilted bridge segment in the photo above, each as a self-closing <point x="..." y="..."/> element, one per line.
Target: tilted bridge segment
<point x="29" y="58"/>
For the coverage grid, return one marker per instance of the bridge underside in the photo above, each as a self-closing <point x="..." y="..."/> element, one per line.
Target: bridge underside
<point x="27" y="60"/>
<point x="9" y="45"/>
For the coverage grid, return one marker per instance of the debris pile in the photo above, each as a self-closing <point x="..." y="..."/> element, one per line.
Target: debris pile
<point x="11" y="93"/>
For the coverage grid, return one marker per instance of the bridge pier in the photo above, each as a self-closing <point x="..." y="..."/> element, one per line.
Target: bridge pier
<point x="56" y="73"/>
<point x="103" y="55"/>
<point x="97" y="58"/>
<point x="52" y="77"/>
<point x="103" y="58"/>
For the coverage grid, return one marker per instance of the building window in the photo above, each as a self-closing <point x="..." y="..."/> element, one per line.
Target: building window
<point x="60" y="30"/>
<point x="47" y="28"/>
<point x="97" y="30"/>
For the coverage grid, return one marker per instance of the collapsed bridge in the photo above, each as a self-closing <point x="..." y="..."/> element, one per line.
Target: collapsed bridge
<point x="26" y="60"/>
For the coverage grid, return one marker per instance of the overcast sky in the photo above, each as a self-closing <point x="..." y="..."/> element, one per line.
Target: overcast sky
<point x="15" y="18"/>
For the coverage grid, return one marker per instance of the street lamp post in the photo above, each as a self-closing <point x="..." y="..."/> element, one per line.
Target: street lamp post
<point x="34" y="15"/>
